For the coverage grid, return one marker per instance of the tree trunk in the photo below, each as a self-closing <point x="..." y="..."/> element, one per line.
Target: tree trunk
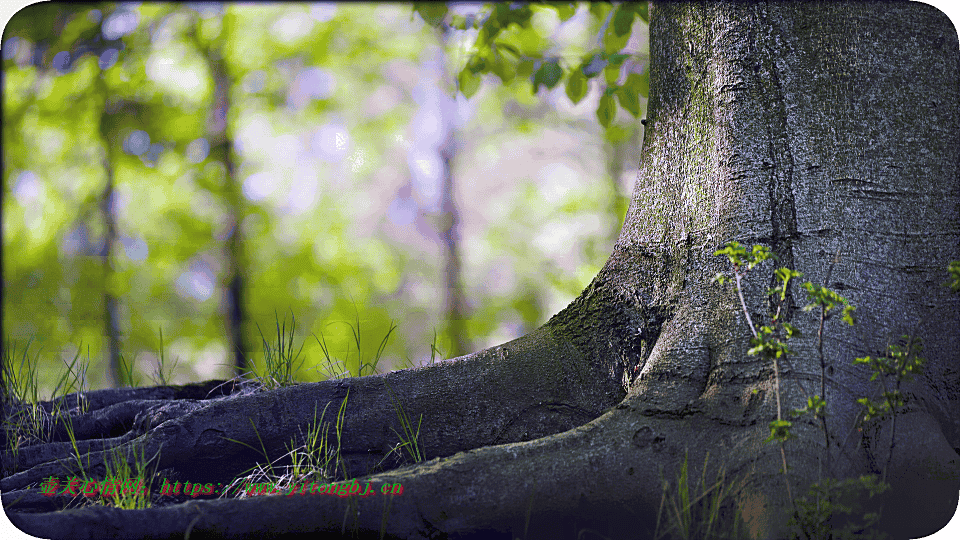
<point x="111" y="309"/>
<point x="813" y="129"/>
<point x="222" y="149"/>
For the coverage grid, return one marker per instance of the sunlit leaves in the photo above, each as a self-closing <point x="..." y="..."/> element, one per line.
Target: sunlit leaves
<point x="827" y="299"/>
<point x="739" y="256"/>
<point x="621" y="24"/>
<point x="639" y="83"/>
<point x="815" y="404"/>
<point x="623" y="19"/>
<point x="784" y="275"/>
<point x="780" y="431"/>
<point x="509" y="44"/>
<point x="767" y="345"/>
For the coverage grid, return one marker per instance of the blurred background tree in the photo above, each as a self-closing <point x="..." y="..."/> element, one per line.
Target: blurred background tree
<point x="205" y="170"/>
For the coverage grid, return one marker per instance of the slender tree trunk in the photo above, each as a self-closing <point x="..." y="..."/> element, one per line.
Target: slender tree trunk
<point x="111" y="315"/>
<point x="221" y="147"/>
<point x="810" y="128"/>
<point x="455" y="300"/>
<point x="454" y="294"/>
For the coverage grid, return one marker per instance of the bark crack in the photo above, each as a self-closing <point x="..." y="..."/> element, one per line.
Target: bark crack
<point x="780" y="157"/>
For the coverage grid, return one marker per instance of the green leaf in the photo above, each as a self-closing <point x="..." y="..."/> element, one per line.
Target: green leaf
<point x="613" y="42"/>
<point x="565" y="10"/>
<point x="577" y="86"/>
<point x="786" y="274"/>
<point x="623" y="19"/>
<point x="606" y="110"/>
<point x="792" y="331"/>
<point x="612" y="74"/>
<point x="459" y="22"/>
<point x="599" y="10"/>
<point x="643" y="11"/>
<point x="477" y="64"/>
<point x="848" y="315"/>
<point x="734" y="252"/>
<point x="549" y="75"/>
<point x="642" y="83"/>
<point x="629" y="100"/>
<point x="637" y="84"/>
<point x="504" y="68"/>
<point x="525" y="67"/>
<point x="720" y="278"/>
<point x="431" y="12"/>
<point x="469" y="83"/>
<point x="616" y="58"/>
<point x="779" y="431"/>
<point x="502" y="46"/>
<point x="593" y="65"/>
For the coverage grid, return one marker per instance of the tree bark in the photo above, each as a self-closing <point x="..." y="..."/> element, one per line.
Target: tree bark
<point x="813" y="129"/>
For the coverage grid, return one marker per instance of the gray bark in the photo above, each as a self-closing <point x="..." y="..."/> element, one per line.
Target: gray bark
<point x="810" y="128"/>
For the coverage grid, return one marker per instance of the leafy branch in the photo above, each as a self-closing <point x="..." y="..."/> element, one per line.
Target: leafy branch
<point x="506" y="45"/>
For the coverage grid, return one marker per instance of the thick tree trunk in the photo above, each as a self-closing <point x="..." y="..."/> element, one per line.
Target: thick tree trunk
<point x="814" y="129"/>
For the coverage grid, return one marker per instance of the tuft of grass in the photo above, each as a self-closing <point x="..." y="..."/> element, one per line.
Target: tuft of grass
<point x="126" y="486"/>
<point x="704" y="510"/>
<point x="313" y="460"/>
<point x="280" y="362"/>
<point x="161" y="377"/>
<point x="68" y="426"/>
<point x="435" y="350"/>
<point x="371" y="365"/>
<point x="126" y="374"/>
<point x="409" y="439"/>
<point x="333" y="368"/>
<point x="25" y="420"/>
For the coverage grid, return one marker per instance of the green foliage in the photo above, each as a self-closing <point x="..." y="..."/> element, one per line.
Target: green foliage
<point x="433" y="12"/>
<point x="831" y="508"/>
<point x="577" y="86"/>
<point x="838" y="509"/>
<point x="954" y="269"/>
<point x="548" y="75"/>
<point x="767" y="344"/>
<point x="177" y="208"/>
<point x="816" y="405"/>
<point x="739" y="257"/>
<point x="312" y="459"/>
<point x="780" y="431"/>
<point x="902" y="364"/>
<point x="606" y="110"/>
<point x="509" y="45"/>
<point x="827" y="299"/>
